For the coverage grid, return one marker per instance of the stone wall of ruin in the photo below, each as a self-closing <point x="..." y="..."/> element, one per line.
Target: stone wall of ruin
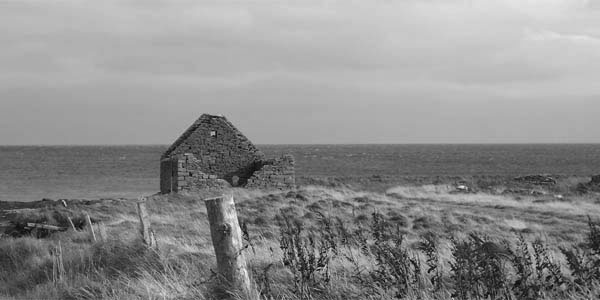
<point x="221" y="149"/>
<point x="274" y="174"/>
<point x="186" y="175"/>
<point x="212" y="153"/>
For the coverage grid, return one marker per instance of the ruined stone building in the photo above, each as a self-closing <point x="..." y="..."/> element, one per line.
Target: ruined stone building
<point x="212" y="153"/>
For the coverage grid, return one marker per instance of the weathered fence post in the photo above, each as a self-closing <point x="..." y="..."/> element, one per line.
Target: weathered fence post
<point x="71" y="222"/>
<point x="89" y="224"/>
<point x="58" y="267"/>
<point x="226" y="236"/>
<point x="147" y="234"/>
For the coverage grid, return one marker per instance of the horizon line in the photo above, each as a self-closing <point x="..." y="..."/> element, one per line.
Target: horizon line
<point x="314" y="144"/>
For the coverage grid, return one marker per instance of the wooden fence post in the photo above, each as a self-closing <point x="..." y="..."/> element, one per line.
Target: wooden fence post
<point x="58" y="267"/>
<point x="89" y="224"/>
<point x="226" y="236"/>
<point x="146" y="232"/>
<point x="71" y="222"/>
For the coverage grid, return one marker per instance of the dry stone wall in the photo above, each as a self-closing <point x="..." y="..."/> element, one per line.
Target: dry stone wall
<point x="187" y="176"/>
<point x="213" y="154"/>
<point x="220" y="148"/>
<point x="274" y="173"/>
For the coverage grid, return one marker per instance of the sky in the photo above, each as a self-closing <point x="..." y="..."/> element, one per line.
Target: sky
<point x="301" y="72"/>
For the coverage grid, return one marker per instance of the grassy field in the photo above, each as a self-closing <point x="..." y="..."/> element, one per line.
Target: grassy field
<point x="327" y="241"/>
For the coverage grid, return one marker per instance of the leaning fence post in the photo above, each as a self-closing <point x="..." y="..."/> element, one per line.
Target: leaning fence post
<point x="71" y="222"/>
<point x="147" y="234"/>
<point x="89" y="224"/>
<point x="227" y="240"/>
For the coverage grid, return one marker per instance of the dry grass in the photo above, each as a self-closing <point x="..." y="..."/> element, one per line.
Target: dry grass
<point x="121" y="268"/>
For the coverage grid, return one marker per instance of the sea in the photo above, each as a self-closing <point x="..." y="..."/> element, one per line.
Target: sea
<point x="29" y="173"/>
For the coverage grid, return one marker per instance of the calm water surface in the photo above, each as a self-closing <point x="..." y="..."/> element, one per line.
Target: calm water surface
<point x="32" y="173"/>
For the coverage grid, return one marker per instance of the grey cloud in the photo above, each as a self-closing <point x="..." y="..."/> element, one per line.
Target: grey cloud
<point x="405" y="64"/>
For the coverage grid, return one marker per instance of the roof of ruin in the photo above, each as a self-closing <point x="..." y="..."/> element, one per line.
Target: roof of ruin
<point x="186" y="134"/>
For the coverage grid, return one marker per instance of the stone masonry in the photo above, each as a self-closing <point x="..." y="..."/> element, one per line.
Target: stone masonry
<point x="190" y="176"/>
<point x="212" y="153"/>
<point x="274" y="173"/>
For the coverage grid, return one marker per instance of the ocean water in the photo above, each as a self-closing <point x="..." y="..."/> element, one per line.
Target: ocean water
<point x="34" y="172"/>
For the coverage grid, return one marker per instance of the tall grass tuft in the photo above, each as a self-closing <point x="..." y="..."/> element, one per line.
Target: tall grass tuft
<point x="429" y="246"/>
<point x="396" y="268"/>
<point x="525" y="285"/>
<point x="307" y="256"/>
<point x="479" y="269"/>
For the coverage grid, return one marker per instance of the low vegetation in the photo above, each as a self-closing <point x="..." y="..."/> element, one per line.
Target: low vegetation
<point x="409" y="242"/>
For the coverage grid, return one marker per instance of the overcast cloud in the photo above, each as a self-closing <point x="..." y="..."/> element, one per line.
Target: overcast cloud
<point x="404" y="71"/>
